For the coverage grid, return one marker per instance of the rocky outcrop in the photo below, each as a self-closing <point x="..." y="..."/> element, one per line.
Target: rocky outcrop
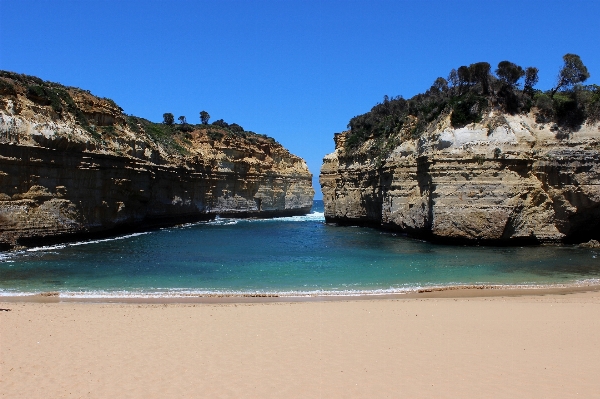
<point x="505" y="180"/>
<point x="78" y="166"/>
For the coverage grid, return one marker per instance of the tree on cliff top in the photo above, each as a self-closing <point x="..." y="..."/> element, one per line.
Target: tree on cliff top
<point x="509" y="72"/>
<point x="472" y="75"/>
<point x="440" y="85"/>
<point x="572" y="72"/>
<point x="168" y="118"/>
<point x="531" y="79"/>
<point x="204" y="117"/>
<point x="479" y="73"/>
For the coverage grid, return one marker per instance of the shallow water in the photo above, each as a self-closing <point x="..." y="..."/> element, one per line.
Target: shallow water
<point x="295" y="255"/>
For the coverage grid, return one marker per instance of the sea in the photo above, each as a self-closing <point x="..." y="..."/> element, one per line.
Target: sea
<point x="288" y="256"/>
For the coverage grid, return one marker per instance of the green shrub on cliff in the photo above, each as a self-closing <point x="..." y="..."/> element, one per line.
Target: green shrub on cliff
<point x="112" y="103"/>
<point x="467" y="109"/>
<point x="591" y="99"/>
<point x="160" y="133"/>
<point x="59" y="100"/>
<point x="7" y="88"/>
<point x="133" y="123"/>
<point x="215" y="134"/>
<point x="45" y="96"/>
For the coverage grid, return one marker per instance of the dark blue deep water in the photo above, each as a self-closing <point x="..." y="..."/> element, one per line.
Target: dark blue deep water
<point x="284" y="255"/>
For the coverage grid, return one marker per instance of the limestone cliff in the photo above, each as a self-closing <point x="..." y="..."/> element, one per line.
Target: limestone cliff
<point x="72" y="164"/>
<point x="504" y="179"/>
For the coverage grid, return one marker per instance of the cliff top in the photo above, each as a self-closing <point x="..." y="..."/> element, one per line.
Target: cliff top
<point x="473" y="95"/>
<point x="47" y="114"/>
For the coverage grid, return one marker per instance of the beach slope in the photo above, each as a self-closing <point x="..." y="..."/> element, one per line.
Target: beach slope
<point x="490" y="346"/>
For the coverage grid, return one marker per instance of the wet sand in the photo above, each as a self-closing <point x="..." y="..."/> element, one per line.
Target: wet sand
<point x="448" y="344"/>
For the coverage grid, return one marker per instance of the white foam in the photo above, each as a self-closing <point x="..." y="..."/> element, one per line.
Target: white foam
<point x="11" y="293"/>
<point x="108" y="239"/>
<point x="218" y="221"/>
<point x="311" y="217"/>
<point x="48" y="248"/>
<point x="335" y="292"/>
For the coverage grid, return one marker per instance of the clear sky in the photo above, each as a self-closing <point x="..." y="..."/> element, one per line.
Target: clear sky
<point x="294" y="70"/>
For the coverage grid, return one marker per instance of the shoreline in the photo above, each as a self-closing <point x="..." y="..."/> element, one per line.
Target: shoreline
<point x="458" y="291"/>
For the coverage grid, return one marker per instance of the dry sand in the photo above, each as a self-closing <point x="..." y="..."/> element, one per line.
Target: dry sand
<point x="533" y="346"/>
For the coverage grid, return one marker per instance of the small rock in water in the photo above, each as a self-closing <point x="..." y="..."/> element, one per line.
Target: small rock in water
<point x="590" y="244"/>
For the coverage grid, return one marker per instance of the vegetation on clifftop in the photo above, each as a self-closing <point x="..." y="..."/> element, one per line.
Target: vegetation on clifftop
<point x="470" y="91"/>
<point x="84" y="108"/>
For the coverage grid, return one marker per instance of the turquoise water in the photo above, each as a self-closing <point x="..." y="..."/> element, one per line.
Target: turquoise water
<point x="297" y="255"/>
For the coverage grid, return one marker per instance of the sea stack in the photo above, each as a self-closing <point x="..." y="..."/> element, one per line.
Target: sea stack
<point x="74" y="165"/>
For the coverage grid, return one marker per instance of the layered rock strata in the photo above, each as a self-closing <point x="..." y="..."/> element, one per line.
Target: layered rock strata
<point x="505" y="180"/>
<point x="60" y="180"/>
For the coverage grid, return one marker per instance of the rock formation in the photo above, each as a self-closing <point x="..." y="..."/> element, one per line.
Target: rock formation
<point x="505" y="179"/>
<point x="74" y="165"/>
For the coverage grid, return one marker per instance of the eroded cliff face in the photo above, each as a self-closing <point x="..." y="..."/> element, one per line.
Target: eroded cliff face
<point x="505" y="180"/>
<point x="81" y="168"/>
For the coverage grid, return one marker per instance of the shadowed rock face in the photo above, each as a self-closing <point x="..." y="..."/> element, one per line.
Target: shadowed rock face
<point x="60" y="180"/>
<point x="518" y="183"/>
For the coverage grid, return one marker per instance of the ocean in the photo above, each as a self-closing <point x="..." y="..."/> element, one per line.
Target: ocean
<point x="282" y="256"/>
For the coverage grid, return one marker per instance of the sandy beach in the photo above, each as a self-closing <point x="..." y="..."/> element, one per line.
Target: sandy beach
<point x="444" y="345"/>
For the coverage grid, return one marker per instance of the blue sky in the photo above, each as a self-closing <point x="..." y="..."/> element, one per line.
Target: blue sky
<point x="294" y="70"/>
